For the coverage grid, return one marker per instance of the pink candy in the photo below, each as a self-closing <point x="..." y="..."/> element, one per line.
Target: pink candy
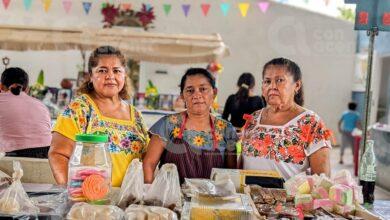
<point x="320" y="193"/>
<point x="343" y="177"/>
<point x="341" y="194"/>
<point x="87" y="172"/>
<point x="326" y="204"/>
<point x="305" y="201"/>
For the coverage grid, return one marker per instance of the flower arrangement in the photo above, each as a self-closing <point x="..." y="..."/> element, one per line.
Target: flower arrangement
<point x="116" y="16"/>
<point x="39" y="90"/>
<point x="151" y="95"/>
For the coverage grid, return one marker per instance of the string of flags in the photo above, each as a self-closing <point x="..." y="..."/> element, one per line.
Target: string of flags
<point x="224" y="7"/>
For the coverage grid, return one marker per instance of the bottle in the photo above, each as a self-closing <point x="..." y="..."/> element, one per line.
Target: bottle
<point x="367" y="173"/>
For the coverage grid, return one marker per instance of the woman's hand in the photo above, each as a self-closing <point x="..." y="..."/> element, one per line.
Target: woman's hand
<point x="155" y="149"/>
<point x="320" y="162"/>
<point x="60" y="151"/>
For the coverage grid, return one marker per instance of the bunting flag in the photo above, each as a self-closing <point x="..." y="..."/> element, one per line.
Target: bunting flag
<point x="104" y="4"/>
<point x="205" y="9"/>
<point x="263" y="6"/>
<point x="87" y="7"/>
<point x="46" y="5"/>
<point x="225" y="7"/>
<point x="126" y="6"/>
<point x="67" y="4"/>
<point x="27" y="4"/>
<point x="244" y="7"/>
<point x="186" y="9"/>
<point x="167" y="8"/>
<point x="148" y="7"/>
<point x="306" y="1"/>
<point x="6" y="3"/>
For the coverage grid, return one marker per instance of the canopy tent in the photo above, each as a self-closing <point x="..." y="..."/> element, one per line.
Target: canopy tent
<point x="145" y="46"/>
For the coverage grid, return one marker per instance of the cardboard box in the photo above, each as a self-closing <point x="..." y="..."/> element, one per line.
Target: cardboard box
<point x="241" y="178"/>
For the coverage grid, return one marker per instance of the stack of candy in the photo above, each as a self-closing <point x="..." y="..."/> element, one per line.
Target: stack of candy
<point x="338" y="195"/>
<point x="89" y="184"/>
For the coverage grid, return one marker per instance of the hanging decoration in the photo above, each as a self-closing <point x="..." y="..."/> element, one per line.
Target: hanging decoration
<point x="87" y="7"/>
<point x="6" y="4"/>
<point x="186" y="9"/>
<point x="263" y="6"/>
<point x="205" y="9"/>
<point x="215" y="67"/>
<point x="225" y="7"/>
<point x="46" y="5"/>
<point x="115" y="16"/>
<point x="27" y="4"/>
<point x="67" y="4"/>
<point x="167" y="8"/>
<point x="244" y="7"/>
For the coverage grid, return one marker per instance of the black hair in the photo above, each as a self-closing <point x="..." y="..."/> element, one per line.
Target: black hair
<point x="294" y="70"/>
<point x="245" y="82"/>
<point x="352" y="106"/>
<point x="15" y="75"/>
<point x="197" y="71"/>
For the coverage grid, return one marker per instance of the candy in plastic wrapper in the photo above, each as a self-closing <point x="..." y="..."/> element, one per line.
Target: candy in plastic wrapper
<point x="341" y="194"/>
<point x="326" y="204"/>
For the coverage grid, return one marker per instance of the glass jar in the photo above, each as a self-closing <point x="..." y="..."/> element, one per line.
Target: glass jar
<point x="89" y="174"/>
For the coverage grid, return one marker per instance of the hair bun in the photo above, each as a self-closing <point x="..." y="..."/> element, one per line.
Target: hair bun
<point x="16" y="90"/>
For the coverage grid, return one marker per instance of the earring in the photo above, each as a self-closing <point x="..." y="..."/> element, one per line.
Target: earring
<point x="90" y="85"/>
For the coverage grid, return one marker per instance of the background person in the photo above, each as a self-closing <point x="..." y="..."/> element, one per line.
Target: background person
<point x="243" y="102"/>
<point x="25" y="125"/>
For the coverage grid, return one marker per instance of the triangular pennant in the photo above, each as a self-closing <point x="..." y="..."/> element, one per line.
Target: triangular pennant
<point x="126" y="6"/>
<point x="244" y="7"/>
<point x="263" y="6"/>
<point x="306" y="1"/>
<point x="104" y="4"/>
<point x="46" y="5"/>
<point x="186" y="9"/>
<point x="67" y="4"/>
<point x="205" y="8"/>
<point x="167" y="8"/>
<point x="27" y="4"/>
<point x="225" y="7"/>
<point x="6" y="3"/>
<point x="87" y="7"/>
<point x="148" y="7"/>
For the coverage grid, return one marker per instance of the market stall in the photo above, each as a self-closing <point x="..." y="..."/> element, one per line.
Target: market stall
<point x="145" y="46"/>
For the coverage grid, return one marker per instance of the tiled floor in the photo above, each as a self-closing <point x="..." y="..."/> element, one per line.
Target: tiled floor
<point x="380" y="193"/>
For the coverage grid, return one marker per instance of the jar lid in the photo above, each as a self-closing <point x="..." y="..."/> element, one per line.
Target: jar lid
<point x="92" y="138"/>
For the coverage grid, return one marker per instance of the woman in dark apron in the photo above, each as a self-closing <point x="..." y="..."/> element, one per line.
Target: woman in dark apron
<point x="194" y="140"/>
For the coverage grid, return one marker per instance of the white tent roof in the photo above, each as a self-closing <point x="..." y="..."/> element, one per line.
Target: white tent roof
<point x="146" y="46"/>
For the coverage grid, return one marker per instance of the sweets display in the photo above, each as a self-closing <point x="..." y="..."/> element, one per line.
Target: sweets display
<point x="89" y="173"/>
<point x="136" y="212"/>
<point x="238" y="208"/>
<point x="88" y="184"/>
<point x="337" y="195"/>
<point x="204" y="187"/>
<point x="94" y="212"/>
<point x="272" y="203"/>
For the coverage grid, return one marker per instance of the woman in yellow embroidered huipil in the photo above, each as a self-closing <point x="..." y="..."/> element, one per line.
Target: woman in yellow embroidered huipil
<point x="101" y="108"/>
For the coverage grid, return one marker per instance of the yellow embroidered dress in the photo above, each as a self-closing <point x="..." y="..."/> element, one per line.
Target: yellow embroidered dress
<point x="128" y="139"/>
